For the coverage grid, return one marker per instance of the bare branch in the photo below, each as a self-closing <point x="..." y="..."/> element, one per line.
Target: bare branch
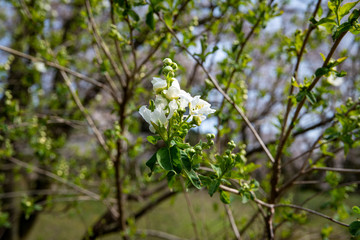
<point x="232" y="222"/>
<point x="87" y="116"/>
<point x="57" y="66"/>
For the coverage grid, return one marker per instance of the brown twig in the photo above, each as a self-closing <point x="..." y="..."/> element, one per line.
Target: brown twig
<point x="232" y="222"/>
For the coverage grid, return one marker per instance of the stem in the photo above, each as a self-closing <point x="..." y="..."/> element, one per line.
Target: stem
<point x="232" y="222"/>
<point x="190" y="209"/>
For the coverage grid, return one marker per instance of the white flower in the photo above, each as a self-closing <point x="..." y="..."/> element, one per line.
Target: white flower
<point x="173" y="106"/>
<point x="158" y="84"/>
<point x="160" y="102"/>
<point x="335" y="81"/>
<point x="200" y="108"/>
<point x="174" y="90"/>
<point x="185" y="99"/>
<point x="40" y="67"/>
<point x="156" y="117"/>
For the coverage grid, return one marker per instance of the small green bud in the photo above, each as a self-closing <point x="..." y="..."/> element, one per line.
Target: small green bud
<point x="170" y="74"/>
<point x="191" y="152"/>
<point x="208" y="136"/>
<point x="166" y="70"/>
<point x="228" y="152"/>
<point x="211" y="143"/>
<point x="167" y="62"/>
<point x="231" y="145"/>
<point x="181" y="111"/>
<point x="198" y="148"/>
<point x="209" y="84"/>
<point x="226" y="158"/>
<point x="174" y="66"/>
<point x="196" y="120"/>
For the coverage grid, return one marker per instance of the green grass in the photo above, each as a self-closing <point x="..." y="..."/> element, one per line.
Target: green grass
<point x="172" y="216"/>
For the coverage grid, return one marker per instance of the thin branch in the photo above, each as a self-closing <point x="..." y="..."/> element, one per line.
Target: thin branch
<point x="345" y="170"/>
<point x="190" y="209"/>
<point x="312" y="212"/>
<point x="57" y="66"/>
<point x="232" y="222"/>
<point x="268" y="205"/>
<point x="117" y="46"/>
<point x="87" y="116"/>
<point x="102" y="43"/>
<point x="77" y="188"/>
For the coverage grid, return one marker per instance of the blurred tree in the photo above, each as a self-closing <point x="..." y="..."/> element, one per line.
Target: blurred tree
<point x="282" y="75"/>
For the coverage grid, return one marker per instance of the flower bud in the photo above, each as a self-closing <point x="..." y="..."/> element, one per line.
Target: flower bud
<point x="231" y="145"/>
<point x="174" y="66"/>
<point x="166" y="70"/>
<point x="192" y="151"/>
<point x="209" y="84"/>
<point x="167" y="62"/>
<point x="196" y="120"/>
<point x="198" y="148"/>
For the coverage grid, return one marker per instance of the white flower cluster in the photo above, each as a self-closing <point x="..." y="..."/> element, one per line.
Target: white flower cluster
<point x="169" y="99"/>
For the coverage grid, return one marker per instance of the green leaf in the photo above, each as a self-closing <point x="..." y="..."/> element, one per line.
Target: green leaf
<point x="323" y="56"/>
<point x="213" y="187"/>
<point x="150" y="21"/>
<point x="133" y="15"/>
<point x="326" y="20"/>
<point x="217" y="169"/>
<point x="175" y="159"/>
<point x="354" y="15"/>
<point x="185" y="160"/>
<point x="332" y="6"/>
<point x="225" y="197"/>
<point x="194" y="178"/>
<point x="171" y="179"/>
<point x="345" y="9"/>
<point x="163" y="158"/>
<point x="300" y="96"/>
<point x="151" y="163"/>
<point x="311" y="97"/>
<point x="341" y="29"/>
<point x="354" y="228"/>
<point x="321" y="71"/>
<point x="153" y="139"/>
<point x="356" y="209"/>
<point x="168" y="20"/>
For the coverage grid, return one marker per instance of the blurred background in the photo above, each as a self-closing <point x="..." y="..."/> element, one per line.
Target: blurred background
<point x="73" y="75"/>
